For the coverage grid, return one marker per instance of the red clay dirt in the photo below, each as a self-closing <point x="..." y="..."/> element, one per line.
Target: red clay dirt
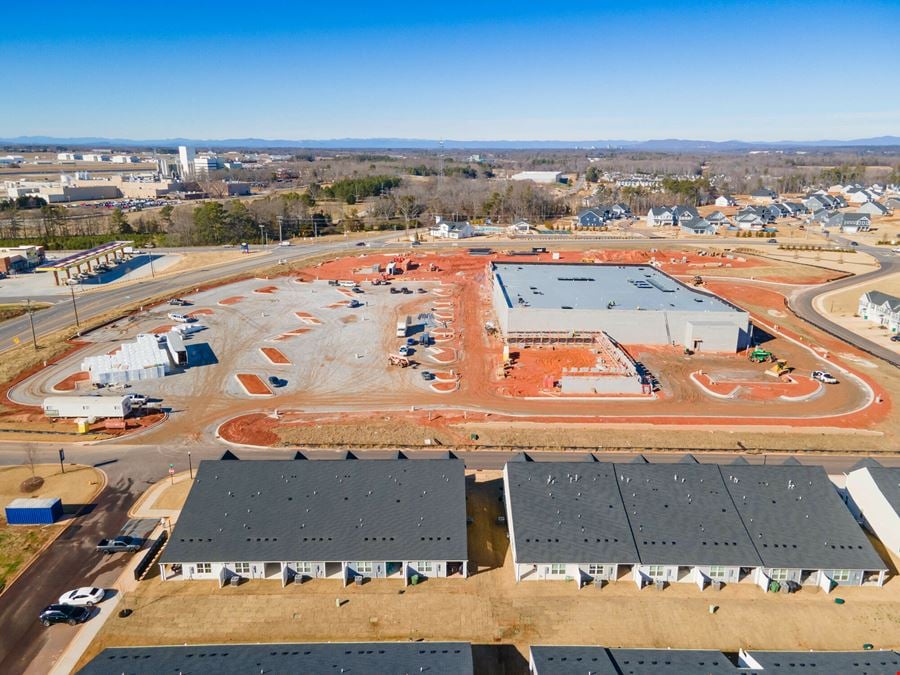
<point x="253" y="385"/>
<point x="793" y="386"/>
<point x="200" y="312"/>
<point x="70" y="383"/>
<point x="266" y="289"/>
<point x="165" y="328"/>
<point x="291" y="334"/>
<point x="275" y="356"/>
<point x="233" y="300"/>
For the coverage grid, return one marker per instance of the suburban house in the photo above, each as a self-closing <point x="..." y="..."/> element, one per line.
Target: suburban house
<point x="873" y="495"/>
<point x="447" y="230"/>
<point x="815" y="202"/>
<point x="685" y="215"/>
<point x="892" y="203"/>
<point x="725" y="200"/>
<point x="316" y="657"/>
<point x="684" y="523"/>
<point x="302" y="519"/>
<point x="848" y="223"/>
<point x="620" y="210"/>
<point x="776" y="210"/>
<point x="660" y="216"/>
<point x="880" y="308"/>
<point x="873" y="209"/>
<point x="752" y="218"/>
<point x="764" y="195"/>
<point x="718" y="219"/>
<point x="795" y="209"/>
<point x="698" y="227"/>
<point x="596" y="660"/>
<point x="859" y="196"/>
<point x="592" y="217"/>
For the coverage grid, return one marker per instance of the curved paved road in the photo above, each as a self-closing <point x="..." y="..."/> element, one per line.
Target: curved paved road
<point x="801" y="303"/>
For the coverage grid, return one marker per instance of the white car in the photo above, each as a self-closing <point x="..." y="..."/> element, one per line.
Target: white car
<point x="181" y="318"/>
<point x="136" y="400"/>
<point x="82" y="597"/>
<point x="822" y="376"/>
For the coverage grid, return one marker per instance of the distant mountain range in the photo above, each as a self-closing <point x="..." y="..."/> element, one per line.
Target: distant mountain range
<point x="658" y="145"/>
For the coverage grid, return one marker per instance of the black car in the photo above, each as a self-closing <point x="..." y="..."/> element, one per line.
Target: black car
<point x="64" y="614"/>
<point x="357" y="289"/>
<point x="276" y="381"/>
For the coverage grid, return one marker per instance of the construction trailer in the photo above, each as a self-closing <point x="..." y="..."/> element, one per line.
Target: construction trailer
<point x="403" y="326"/>
<point x="87" y="406"/>
<point x="175" y="347"/>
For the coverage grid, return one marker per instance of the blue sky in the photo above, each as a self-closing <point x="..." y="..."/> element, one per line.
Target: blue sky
<point x="458" y="70"/>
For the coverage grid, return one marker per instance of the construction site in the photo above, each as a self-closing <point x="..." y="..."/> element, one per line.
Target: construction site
<point x="381" y="337"/>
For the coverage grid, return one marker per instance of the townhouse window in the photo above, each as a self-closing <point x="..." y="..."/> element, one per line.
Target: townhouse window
<point x="557" y="569"/>
<point x="779" y="574"/>
<point x="840" y="575"/>
<point x="424" y="567"/>
<point x="242" y="568"/>
<point x="718" y="572"/>
<point x="204" y="568"/>
<point x="303" y="567"/>
<point x="656" y="571"/>
<point x="362" y="567"/>
<point x="596" y="569"/>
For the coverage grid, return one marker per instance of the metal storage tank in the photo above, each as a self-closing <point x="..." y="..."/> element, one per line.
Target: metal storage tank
<point x="30" y="511"/>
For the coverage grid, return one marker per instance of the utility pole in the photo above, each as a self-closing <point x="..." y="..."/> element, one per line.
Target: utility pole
<point x="150" y="258"/>
<point x="190" y="467"/>
<point x="30" y="311"/>
<point x="280" y="228"/>
<point x="74" y="307"/>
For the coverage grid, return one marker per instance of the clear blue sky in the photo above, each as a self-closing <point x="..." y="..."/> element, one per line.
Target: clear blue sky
<point x="459" y="70"/>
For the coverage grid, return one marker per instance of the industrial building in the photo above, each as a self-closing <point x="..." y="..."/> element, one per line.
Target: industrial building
<point x="301" y="519"/>
<point x="633" y="304"/>
<point x="545" y="177"/>
<point x="873" y="495"/>
<point x="143" y="359"/>
<point x="20" y="258"/>
<point x="578" y="660"/>
<point x="593" y="522"/>
<point x="435" y="658"/>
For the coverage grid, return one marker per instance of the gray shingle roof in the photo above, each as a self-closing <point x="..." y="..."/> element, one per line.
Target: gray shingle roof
<point x="604" y="661"/>
<point x="681" y="514"/>
<point x="340" y="510"/>
<point x="879" y="298"/>
<point x="443" y="658"/>
<point x="845" y="663"/>
<point x="888" y="482"/>
<point x="796" y="518"/>
<point x="568" y="512"/>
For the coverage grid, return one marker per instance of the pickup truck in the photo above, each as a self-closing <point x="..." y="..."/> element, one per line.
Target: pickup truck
<point x="130" y="544"/>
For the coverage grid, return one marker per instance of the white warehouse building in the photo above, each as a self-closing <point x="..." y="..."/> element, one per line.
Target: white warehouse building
<point x="633" y="304"/>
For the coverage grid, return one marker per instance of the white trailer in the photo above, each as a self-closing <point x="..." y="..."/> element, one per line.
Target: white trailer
<point x="175" y="346"/>
<point x="403" y="326"/>
<point x="87" y="406"/>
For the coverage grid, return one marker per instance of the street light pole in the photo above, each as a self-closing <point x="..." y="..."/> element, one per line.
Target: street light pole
<point x="150" y="258"/>
<point x="30" y="311"/>
<point x="74" y="307"/>
<point x="190" y="467"/>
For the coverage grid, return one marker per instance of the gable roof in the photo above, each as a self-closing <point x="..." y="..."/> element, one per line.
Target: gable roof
<point x="442" y="658"/>
<point x="846" y="663"/>
<point x="337" y="510"/>
<point x="681" y="514"/>
<point x="567" y="512"/>
<point x="607" y="661"/>
<point x="888" y="481"/>
<point x="878" y="299"/>
<point x="796" y="518"/>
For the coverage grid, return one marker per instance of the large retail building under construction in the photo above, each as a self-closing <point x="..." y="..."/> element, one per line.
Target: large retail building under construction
<point x="633" y="304"/>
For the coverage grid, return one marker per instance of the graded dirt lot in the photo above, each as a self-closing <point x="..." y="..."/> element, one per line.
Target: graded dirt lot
<point x="490" y="607"/>
<point x="333" y="358"/>
<point x="76" y="487"/>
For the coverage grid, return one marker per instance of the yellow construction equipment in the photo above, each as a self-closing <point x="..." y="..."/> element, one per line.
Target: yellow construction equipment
<point x="780" y="368"/>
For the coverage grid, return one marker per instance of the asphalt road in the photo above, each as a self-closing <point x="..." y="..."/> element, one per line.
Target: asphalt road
<point x="802" y="302"/>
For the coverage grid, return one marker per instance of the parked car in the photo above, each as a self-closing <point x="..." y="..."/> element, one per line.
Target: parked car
<point x="404" y="351"/>
<point x="410" y="342"/>
<point x="357" y="289"/>
<point x="118" y="544"/>
<point x="178" y="302"/>
<point x="854" y="243"/>
<point x="82" y="597"/>
<point x="895" y="338"/>
<point x="421" y="290"/>
<point x="822" y="376"/>
<point x="276" y="381"/>
<point x="394" y="290"/>
<point x="63" y="614"/>
<point x="428" y="376"/>
<point x="139" y="399"/>
<point x="360" y="243"/>
<point x="180" y="318"/>
<point x="406" y="291"/>
<point x="895" y="250"/>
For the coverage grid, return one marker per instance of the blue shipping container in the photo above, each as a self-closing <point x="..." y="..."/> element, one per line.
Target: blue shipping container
<point x="24" y="511"/>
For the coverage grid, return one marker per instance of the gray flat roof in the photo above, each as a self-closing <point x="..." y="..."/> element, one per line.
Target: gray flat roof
<point x="888" y="481"/>
<point x="606" y="661"/>
<point x="681" y="514"/>
<point x="568" y="512"/>
<point x="392" y="658"/>
<point x="600" y="287"/>
<point x="845" y="663"/>
<point x="317" y="510"/>
<point x="796" y="518"/>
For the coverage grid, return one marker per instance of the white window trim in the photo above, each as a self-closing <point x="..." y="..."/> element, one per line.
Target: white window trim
<point x="656" y="571"/>
<point x="557" y="569"/>
<point x="200" y="568"/>
<point x="363" y="567"/>
<point x="242" y="568"/>
<point x="424" y="566"/>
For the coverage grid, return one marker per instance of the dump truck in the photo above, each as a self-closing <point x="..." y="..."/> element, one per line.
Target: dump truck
<point x="403" y="326"/>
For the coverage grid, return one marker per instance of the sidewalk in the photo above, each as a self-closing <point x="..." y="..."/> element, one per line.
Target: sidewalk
<point x="143" y="507"/>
